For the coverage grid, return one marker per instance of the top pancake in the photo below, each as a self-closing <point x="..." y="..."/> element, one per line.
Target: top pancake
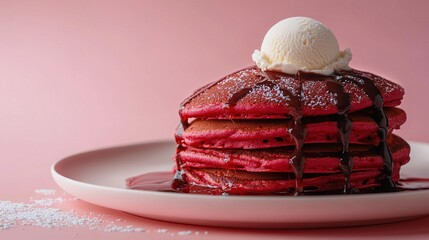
<point x="273" y="100"/>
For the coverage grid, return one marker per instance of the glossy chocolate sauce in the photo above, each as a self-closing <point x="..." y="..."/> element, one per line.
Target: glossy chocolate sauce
<point x="379" y="117"/>
<point x="298" y="133"/>
<point x="344" y="125"/>
<point x="335" y="85"/>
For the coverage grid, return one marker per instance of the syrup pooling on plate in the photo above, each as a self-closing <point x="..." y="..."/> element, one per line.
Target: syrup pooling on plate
<point x="167" y="182"/>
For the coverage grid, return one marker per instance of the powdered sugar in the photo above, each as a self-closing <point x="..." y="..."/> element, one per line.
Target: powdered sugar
<point x="179" y="233"/>
<point x="48" y="201"/>
<point x="315" y="95"/>
<point x="183" y="233"/>
<point x="128" y="228"/>
<point x="32" y="214"/>
<point x="45" y="192"/>
<point x="44" y="210"/>
<point x="272" y="94"/>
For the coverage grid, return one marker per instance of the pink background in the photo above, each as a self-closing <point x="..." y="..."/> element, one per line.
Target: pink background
<point x="79" y="75"/>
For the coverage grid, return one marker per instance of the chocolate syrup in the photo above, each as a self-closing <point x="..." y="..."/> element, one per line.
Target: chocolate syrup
<point x="344" y="125"/>
<point x="379" y="117"/>
<point x="298" y="133"/>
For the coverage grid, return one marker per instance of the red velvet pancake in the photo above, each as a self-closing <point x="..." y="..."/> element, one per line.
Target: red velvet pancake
<point x="250" y="134"/>
<point x="269" y="101"/>
<point x="320" y="158"/>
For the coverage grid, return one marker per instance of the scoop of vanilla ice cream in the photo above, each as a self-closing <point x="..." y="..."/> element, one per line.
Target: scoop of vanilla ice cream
<point x="301" y="44"/>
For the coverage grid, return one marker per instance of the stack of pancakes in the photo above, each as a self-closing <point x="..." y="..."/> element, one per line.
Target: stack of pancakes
<point x="255" y="132"/>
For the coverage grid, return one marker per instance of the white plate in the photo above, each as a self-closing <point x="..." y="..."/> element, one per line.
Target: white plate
<point x="99" y="177"/>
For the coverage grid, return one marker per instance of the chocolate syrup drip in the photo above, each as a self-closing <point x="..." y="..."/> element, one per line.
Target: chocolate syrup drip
<point x="298" y="133"/>
<point x="344" y="125"/>
<point x="379" y="117"/>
